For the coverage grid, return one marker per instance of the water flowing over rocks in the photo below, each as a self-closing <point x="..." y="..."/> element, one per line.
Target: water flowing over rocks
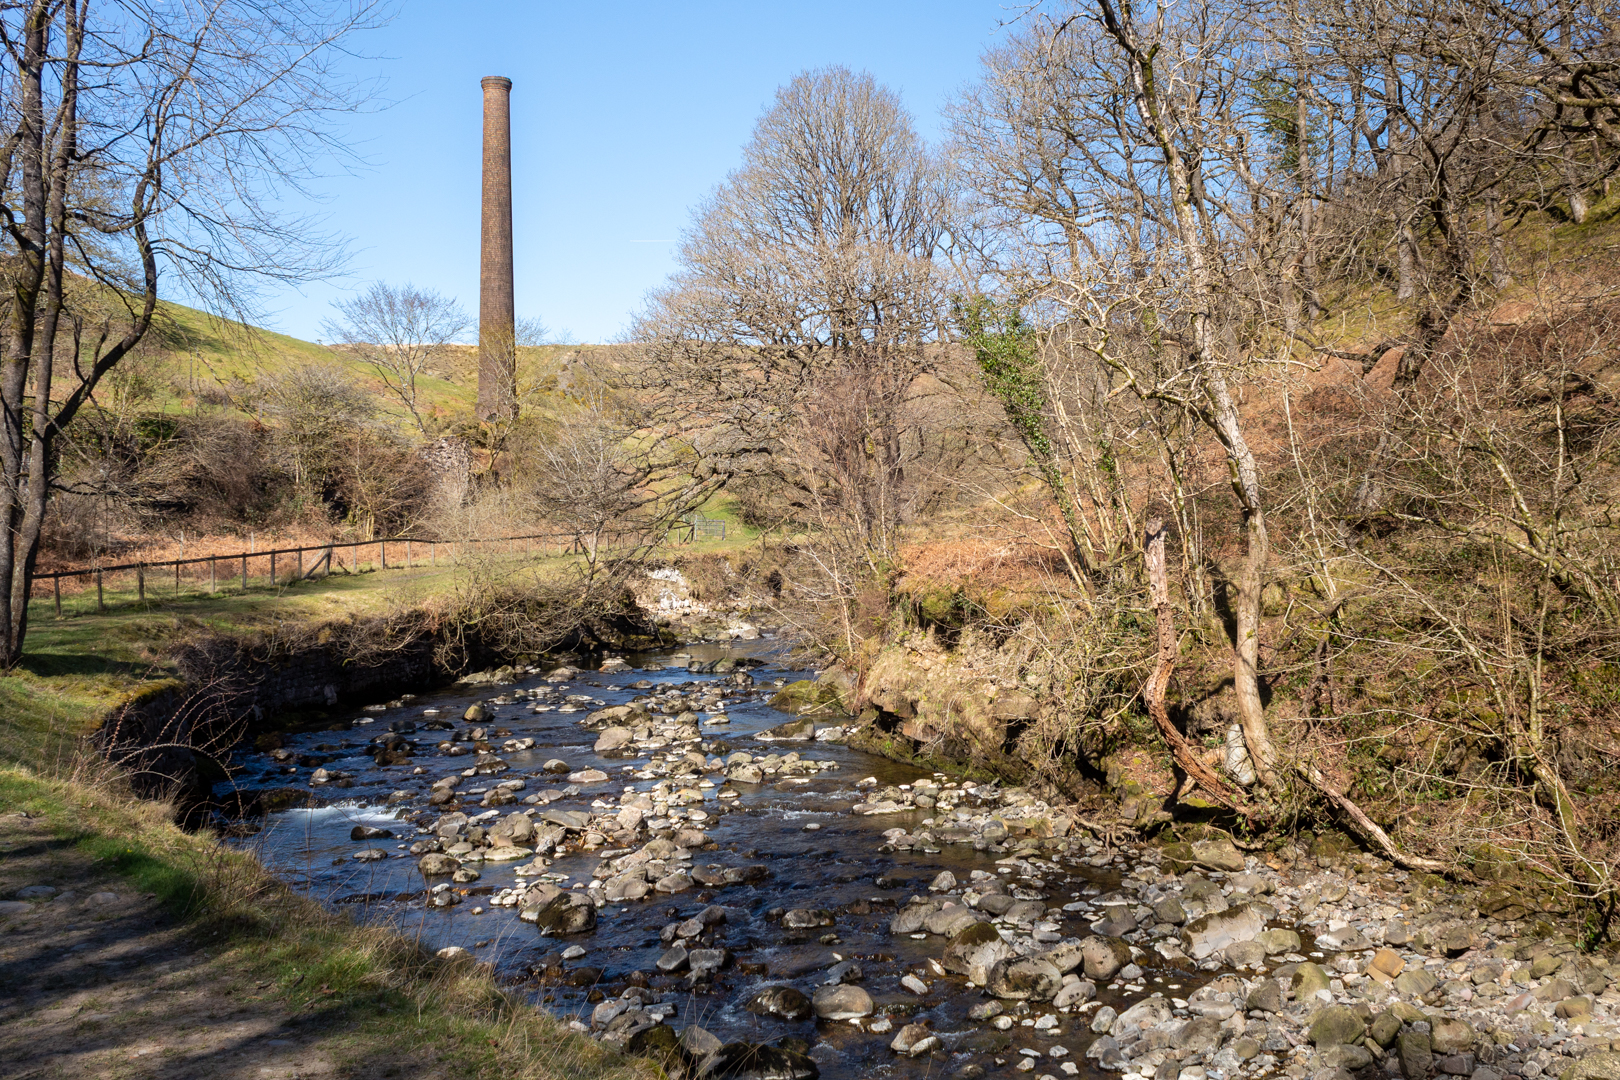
<point x="648" y="848"/>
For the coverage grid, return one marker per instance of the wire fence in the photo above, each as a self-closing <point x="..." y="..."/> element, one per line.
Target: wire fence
<point x="706" y="528"/>
<point x="96" y="588"/>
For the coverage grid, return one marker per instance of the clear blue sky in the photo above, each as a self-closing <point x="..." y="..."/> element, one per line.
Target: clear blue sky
<point x="623" y="116"/>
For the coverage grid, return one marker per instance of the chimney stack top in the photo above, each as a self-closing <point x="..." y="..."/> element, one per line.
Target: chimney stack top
<point x="499" y="81"/>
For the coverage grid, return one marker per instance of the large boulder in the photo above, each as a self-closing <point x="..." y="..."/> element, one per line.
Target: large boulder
<point x="1209" y="934"/>
<point x="1027" y="979"/>
<point x="556" y="913"/>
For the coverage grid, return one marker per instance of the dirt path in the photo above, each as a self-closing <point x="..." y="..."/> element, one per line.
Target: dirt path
<point x="97" y="981"/>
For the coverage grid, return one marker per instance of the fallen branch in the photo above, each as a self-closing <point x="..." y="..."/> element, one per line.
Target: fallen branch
<point x="1369" y="831"/>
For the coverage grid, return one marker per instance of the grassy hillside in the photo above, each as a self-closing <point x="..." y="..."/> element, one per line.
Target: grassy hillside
<point x="196" y="358"/>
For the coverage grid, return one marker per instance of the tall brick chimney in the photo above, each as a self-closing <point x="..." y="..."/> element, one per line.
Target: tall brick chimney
<point x="497" y="317"/>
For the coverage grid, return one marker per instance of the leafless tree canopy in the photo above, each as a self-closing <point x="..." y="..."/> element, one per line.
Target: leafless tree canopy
<point x="145" y="140"/>
<point x="400" y="331"/>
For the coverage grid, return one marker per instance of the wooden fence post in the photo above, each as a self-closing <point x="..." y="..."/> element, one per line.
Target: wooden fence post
<point x="244" y="573"/>
<point x="382" y="554"/>
<point x="101" y="603"/>
<point x="407" y="554"/>
<point x="56" y="583"/>
<point x="272" y="569"/>
<point x="300" y="564"/>
<point x="140" y="583"/>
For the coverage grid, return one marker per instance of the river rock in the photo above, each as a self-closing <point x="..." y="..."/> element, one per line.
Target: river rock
<point x="1201" y="1035"/>
<point x="975" y="951"/>
<point x="587" y="776"/>
<point x="802" y="730"/>
<point x="1074" y="994"/>
<point x="1027" y="979"/>
<point x="698" y="1042"/>
<point x="842" y="1002"/>
<point x="572" y="820"/>
<point x="1448" y="1035"/>
<point x="1278" y="940"/>
<point x="1600" y="1066"/>
<point x="557" y="913"/>
<point x="613" y="738"/>
<point x="1217" y="855"/>
<point x="1416" y="982"/>
<point x="806" y="918"/>
<point x="1266" y="996"/>
<point x="1244" y="953"/>
<point x="516" y="828"/>
<point x="1414" y="1053"/>
<point x="1344" y="1057"/>
<point x="951" y="920"/>
<point x="780" y="1001"/>
<point x="1309" y="980"/>
<point x="1102" y="958"/>
<point x="910" y="919"/>
<point x="751" y="1061"/>
<point x="1336" y="1024"/>
<point x="1150" y="1012"/>
<point x="1212" y="933"/>
<point x="367" y="832"/>
<point x="914" y="1040"/>
<point x="1169" y="910"/>
<point x="434" y="864"/>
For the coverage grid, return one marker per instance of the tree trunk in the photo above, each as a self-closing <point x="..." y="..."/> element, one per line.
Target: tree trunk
<point x="1168" y="650"/>
<point x="1218" y="412"/>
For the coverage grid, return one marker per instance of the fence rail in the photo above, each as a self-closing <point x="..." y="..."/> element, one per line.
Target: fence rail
<point x="406" y="552"/>
<point x="706" y="528"/>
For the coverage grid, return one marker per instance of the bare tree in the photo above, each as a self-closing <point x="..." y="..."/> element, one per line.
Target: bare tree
<point x="598" y="475"/>
<point x="143" y="139"/>
<point x="401" y="332"/>
<point x="815" y="258"/>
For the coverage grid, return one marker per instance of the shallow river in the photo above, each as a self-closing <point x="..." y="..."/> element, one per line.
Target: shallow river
<point x="819" y="855"/>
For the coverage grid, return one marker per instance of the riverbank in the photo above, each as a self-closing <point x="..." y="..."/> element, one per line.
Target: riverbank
<point x="663" y="859"/>
<point x="129" y="947"/>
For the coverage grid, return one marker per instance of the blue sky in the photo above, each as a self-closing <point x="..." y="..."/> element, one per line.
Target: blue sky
<point x="623" y="116"/>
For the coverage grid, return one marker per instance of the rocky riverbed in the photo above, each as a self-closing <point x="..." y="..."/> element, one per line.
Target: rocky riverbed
<point x="672" y="865"/>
